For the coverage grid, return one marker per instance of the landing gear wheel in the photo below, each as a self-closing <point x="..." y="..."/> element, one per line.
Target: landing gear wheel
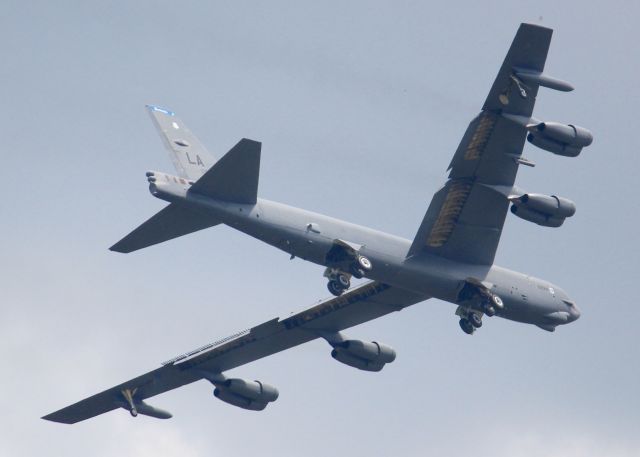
<point x="475" y="320"/>
<point x="335" y="288"/>
<point x="133" y="412"/>
<point x="343" y="281"/>
<point x="364" y="263"/>
<point x="467" y="327"/>
<point x="497" y="302"/>
<point x="356" y="271"/>
<point x="489" y="310"/>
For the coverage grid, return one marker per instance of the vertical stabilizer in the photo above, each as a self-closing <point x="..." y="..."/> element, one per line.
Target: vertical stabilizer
<point x="190" y="158"/>
<point x="234" y="178"/>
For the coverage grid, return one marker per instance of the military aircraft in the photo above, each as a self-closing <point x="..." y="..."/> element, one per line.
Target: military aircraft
<point x="450" y="258"/>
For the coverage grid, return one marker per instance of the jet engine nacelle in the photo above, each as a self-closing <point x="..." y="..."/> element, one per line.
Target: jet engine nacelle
<point x="251" y="395"/>
<point x="561" y="139"/>
<point x="545" y="210"/>
<point x="363" y="355"/>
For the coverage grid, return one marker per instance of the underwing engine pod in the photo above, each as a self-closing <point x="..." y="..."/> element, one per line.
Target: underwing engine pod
<point x="545" y="210"/>
<point x="561" y="139"/>
<point x="251" y="395"/>
<point x="363" y="355"/>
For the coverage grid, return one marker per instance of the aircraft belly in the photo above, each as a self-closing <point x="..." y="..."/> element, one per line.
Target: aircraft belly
<point x="310" y="236"/>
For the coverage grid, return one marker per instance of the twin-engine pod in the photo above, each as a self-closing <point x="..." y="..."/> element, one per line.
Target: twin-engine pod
<point x="545" y="210"/>
<point x="562" y="139"/>
<point x="251" y="395"/>
<point x="363" y="355"/>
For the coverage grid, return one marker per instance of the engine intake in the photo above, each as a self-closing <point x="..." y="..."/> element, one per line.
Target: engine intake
<point x="561" y="139"/>
<point x="545" y="210"/>
<point x="363" y="355"/>
<point x="251" y="395"/>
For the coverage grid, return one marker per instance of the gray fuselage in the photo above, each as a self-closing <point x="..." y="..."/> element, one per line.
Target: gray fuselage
<point x="310" y="236"/>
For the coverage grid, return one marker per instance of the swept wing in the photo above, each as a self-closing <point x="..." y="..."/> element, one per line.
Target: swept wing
<point x="364" y="303"/>
<point x="465" y="218"/>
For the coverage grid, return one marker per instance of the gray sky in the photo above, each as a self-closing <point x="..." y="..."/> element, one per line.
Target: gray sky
<point x="342" y="95"/>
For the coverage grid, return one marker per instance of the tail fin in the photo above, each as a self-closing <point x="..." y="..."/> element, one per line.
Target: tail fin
<point x="190" y="158"/>
<point x="173" y="221"/>
<point x="235" y="176"/>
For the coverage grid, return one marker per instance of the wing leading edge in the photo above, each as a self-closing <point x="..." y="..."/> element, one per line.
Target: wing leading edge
<point x="361" y="304"/>
<point x="465" y="218"/>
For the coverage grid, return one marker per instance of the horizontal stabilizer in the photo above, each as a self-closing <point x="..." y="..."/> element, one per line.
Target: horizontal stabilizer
<point x="173" y="221"/>
<point x="234" y="177"/>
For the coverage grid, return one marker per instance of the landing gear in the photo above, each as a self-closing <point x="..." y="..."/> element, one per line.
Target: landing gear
<point x="470" y="319"/>
<point x="128" y="396"/>
<point x="345" y="261"/>
<point x="338" y="283"/>
<point x="364" y="263"/>
<point x="360" y="267"/>
<point x="476" y="298"/>
<point x="475" y="320"/>
<point x="491" y="305"/>
<point x="343" y="280"/>
<point x="335" y="288"/>
<point x="356" y="271"/>
<point x="489" y="310"/>
<point x="466" y="326"/>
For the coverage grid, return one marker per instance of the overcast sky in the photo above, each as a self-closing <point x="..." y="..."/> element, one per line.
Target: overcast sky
<point x="360" y="106"/>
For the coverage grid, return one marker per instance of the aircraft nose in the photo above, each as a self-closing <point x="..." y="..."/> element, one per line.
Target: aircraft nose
<point x="574" y="311"/>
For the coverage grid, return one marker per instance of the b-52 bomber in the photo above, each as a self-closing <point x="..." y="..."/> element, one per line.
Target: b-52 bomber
<point x="450" y="258"/>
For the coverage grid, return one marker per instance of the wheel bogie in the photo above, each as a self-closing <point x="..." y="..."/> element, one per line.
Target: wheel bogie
<point x="475" y="320"/>
<point x="334" y="288"/>
<point x="364" y="263"/>
<point x="466" y="326"/>
<point x="356" y="271"/>
<point x="343" y="281"/>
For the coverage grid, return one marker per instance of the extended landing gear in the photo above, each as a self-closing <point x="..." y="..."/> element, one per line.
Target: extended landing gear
<point x="338" y="283"/>
<point x="490" y="304"/>
<point x="466" y="327"/>
<point x="477" y="299"/>
<point x="360" y="267"/>
<point x="346" y="262"/>
<point x="470" y="321"/>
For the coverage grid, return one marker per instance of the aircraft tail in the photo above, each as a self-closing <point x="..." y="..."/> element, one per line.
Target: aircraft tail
<point x="190" y="158"/>
<point x="233" y="178"/>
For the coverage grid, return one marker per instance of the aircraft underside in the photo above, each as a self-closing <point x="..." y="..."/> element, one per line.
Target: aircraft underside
<point x="450" y="258"/>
